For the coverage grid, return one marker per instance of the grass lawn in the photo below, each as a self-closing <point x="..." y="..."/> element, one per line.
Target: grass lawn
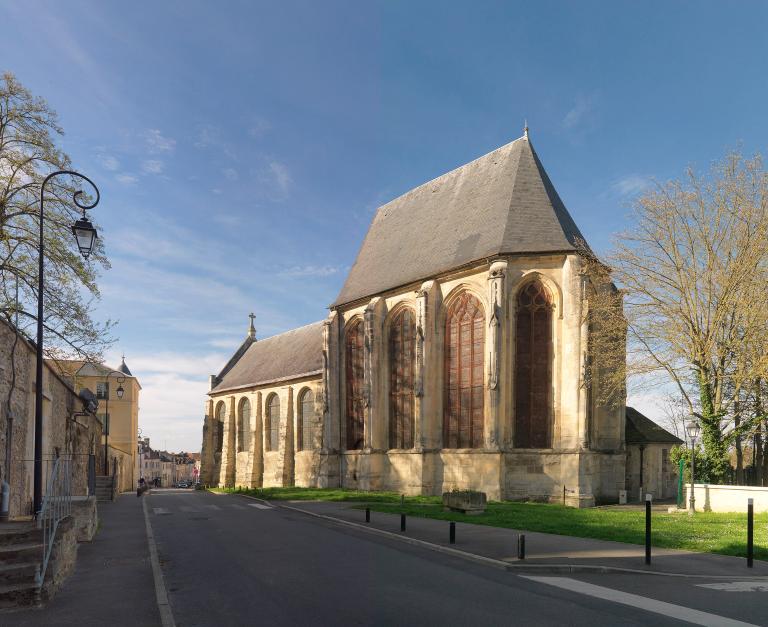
<point x="706" y="532"/>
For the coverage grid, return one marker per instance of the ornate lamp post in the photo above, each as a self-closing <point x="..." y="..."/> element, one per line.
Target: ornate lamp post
<point x="85" y="234"/>
<point x="119" y="391"/>
<point x="694" y="429"/>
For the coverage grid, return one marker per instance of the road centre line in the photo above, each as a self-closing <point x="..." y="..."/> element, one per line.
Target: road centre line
<point x="669" y="610"/>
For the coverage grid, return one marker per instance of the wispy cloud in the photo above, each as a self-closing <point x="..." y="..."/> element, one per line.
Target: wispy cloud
<point x="280" y="175"/>
<point x="630" y="185"/>
<point x="259" y="127"/>
<point x="578" y="114"/>
<point x="311" y="271"/>
<point x="157" y="142"/>
<point x="127" y="179"/>
<point x="108" y="162"/>
<point x="230" y="173"/>
<point x="210" y="136"/>
<point x="153" y="166"/>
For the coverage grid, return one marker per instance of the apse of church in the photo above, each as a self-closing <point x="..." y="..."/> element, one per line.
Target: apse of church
<point x="453" y="357"/>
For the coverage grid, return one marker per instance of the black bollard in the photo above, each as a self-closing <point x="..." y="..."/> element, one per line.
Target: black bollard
<point x="402" y="522"/>
<point x="367" y="514"/>
<point x="452" y="533"/>
<point x="521" y="546"/>
<point x="750" y="532"/>
<point x="648" y="498"/>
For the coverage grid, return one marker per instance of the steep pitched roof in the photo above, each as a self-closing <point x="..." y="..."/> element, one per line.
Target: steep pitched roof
<point x="642" y="430"/>
<point x="290" y="355"/>
<point x="500" y="203"/>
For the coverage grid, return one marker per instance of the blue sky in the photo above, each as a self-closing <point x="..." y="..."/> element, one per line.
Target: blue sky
<point x="241" y="148"/>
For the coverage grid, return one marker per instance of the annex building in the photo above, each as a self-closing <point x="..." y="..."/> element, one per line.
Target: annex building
<point x="453" y="357"/>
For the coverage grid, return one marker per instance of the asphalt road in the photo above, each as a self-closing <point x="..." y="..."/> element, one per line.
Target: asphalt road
<point x="229" y="561"/>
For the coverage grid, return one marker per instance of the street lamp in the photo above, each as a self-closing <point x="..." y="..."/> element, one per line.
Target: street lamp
<point x="85" y="235"/>
<point x="694" y="429"/>
<point x="119" y="391"/>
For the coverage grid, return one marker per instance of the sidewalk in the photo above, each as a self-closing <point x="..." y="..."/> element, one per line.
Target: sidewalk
<point x="112" y="583"/>
<point x="543" y="550"/>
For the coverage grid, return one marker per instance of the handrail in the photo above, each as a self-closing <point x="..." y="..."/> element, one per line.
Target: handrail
<point x="56" y="505"/>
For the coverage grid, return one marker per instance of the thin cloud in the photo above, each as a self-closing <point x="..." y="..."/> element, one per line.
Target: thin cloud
<point x="127" y="179"/>
<point x="230" y="174"/>
<point x="280" y="175"/>
<point x="630" y="185"/>
<point x="311" y="271"/>
<point x="579" y="113"/>
<point x="259" y="127"/>
<point x="109" y="162"/>
<point x="153" y="166"/>
<point x="157" y="142"/>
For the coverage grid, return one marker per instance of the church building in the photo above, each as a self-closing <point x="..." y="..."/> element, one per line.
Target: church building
<point x="453" y="358"/>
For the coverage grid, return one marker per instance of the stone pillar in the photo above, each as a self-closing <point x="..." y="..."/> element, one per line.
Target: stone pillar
<point x="257" y="442"/>
<point x="584" y="410"/>
<point x="287" y="440"/>
<point x="207" y="461"/>
<point x="375" y="416"/>
<point x="229" y="450"/>
<point x="497" y="323"/>
<point x="329" y="459"/>
<point x="570" y="373"/>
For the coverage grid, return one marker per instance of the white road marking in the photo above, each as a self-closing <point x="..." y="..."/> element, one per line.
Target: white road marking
<point x="260" y="506"/>
<point x="160" y="511"/>
<point x="736" y="586"/>
<point x="670" y="610"/>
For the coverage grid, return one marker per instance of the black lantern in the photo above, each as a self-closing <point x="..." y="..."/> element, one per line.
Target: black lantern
<point x="85" y="234"/>
<point x="120" y="391"/>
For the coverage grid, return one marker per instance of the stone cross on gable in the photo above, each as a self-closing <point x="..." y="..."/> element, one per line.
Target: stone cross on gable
<point x="251" y="328"/>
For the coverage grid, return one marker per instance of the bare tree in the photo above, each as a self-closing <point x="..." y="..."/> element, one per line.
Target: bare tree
<point x="28" y="152"/>
<point x="693" y="269"/>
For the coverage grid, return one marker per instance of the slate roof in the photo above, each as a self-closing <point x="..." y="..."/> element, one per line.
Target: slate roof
<point x="502" y="202"/>
<point x="642" y="430"/>
<point x="290" y="355"/>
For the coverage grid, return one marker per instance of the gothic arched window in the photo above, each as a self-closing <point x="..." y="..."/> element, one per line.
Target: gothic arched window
<point x="244" y="426"/>
<point x="306" y="414"/>
<point x="353" y="345"/>
<point x="402" y="346"/>
<point x="273" y="423"/>
<point x="464" y="390"/>
<point x="533" y="372"/>
<point x="221" y="416"/>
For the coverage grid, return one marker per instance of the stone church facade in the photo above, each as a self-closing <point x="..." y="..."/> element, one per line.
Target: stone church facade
<point x="453" y="357"/>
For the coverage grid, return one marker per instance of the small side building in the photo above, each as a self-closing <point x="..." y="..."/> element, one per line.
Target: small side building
<point x="649" y="470"/>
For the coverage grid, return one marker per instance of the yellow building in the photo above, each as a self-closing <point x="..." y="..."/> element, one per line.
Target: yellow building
<point x="117" y="392"/>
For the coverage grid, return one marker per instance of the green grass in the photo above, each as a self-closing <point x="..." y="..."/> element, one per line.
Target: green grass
<point x="327" y="494"/>
<point x="704" y="532"/>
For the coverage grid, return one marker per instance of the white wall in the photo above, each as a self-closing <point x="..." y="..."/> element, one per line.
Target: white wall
<point x="727" y="498"/>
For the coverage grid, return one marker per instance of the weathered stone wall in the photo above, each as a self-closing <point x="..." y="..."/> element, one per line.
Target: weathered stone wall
<point x="67" y="430"/>
<point x="587" y="443"/>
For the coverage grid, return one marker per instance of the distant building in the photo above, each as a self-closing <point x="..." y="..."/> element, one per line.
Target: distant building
<point x="649" y="470"/>
<point x="122" y="423"/>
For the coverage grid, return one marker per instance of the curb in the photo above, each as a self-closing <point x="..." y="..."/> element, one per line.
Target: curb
<point x="501" y="564"/>
<point x="163" y="605"/>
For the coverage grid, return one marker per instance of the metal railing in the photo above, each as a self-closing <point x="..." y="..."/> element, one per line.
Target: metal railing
<point x="57" y="505"/>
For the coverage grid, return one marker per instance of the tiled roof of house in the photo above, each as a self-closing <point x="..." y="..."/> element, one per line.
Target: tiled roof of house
<point x="642" y="430"/>
<point x="501" y="203"/>
<point x="290" y="355"/>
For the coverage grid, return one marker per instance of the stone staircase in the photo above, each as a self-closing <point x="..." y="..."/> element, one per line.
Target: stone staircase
<point x="21" y="552"/>
<point x="104" y="488"/>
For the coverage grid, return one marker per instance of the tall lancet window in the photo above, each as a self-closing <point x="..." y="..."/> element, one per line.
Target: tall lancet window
<point x="533" y="370"/>
<point x="306" y="416"/>
<point x="221" y="416"/>
<point x="353" y="344"/>
<point x="402" y="348"/>
<point x="273" y="423"/>
<point x="464" y="393"/>
<point x="244" y="426"/>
